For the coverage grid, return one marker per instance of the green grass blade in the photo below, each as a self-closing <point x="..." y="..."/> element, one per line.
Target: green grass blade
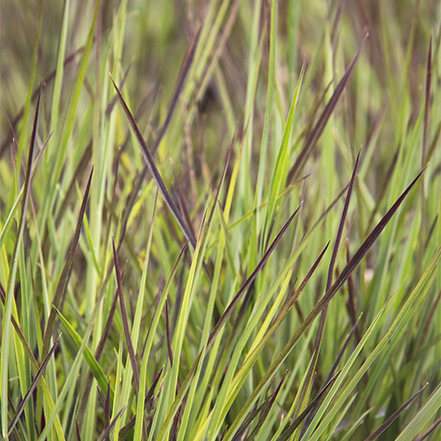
<point x="6" y="326"/>
<point x="91" y="361"/>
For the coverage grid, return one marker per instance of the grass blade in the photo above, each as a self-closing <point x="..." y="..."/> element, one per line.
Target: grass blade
<point x="148" y="157"/>
<point x="324" y="313"/>
<point x="91" y="361"/>
<point x="318" y="129"/>
<point x="27" y="397"/>
<point x="130" y="349"/>
<point x="105" y="434"/>
<point x="281" y="167"/>
<point x="65" y="274"/>
<point x="319" y="306"/>
<point x="285" y="435"/>
<point x="249" y="281"/>
<point x="429" y="430"/>
<point x="185" y="68"/>
<point x="6" y="326"/>
<point x="374" y="435"/>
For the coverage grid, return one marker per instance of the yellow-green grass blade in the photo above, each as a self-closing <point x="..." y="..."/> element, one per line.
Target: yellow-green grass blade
<point x="88" y="356"/>
<point x="6" y="325"/>
<point x="281" y="167"/>
<point x="404" y="315"/>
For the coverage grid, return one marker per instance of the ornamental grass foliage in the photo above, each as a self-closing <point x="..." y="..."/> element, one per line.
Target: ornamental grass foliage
<point x="220" y="220"/>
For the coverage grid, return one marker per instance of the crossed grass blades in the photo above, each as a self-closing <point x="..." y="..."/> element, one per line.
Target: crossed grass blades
<point x="187" y="310"/>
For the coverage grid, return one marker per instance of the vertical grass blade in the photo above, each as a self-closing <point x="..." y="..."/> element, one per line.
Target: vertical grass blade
<point x="6" y="326"/>
<point x="27" y="397"/>
<point x="130" y="348"/>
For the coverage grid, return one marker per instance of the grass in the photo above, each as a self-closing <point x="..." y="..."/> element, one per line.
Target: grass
<point x="220" y="220"/>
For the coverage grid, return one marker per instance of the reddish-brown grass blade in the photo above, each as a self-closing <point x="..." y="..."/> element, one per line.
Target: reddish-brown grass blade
<point x="148" y="157"/>
<point x="321" y="327"/>
<point x="318" y="129"/>
<point x="185" y="68"/>
<point x="429" y="430"/>
<point x="167" y="331"/>
<point x="31" y="389"/>
<point x="427" y="103"/>
<point x="107" y="431"/>
<point x="364" y="248"/>
<point x="65" y="273"/>
<point x="249" y="281"/>
<point x="132" y="356"/>
<point x="286" y="434"/>
<point x="392" y="418"/>
<point x="264" y="410"/>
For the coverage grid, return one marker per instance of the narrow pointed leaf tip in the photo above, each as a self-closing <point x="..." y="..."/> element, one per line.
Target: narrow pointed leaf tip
<point x="148" y="157"/>
<point x="250" y="280"/>
<point x="317" y="131"/>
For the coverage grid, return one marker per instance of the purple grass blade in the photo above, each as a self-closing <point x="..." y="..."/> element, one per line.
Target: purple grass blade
<point x="31" y="389"/>
<point x="65" y="273"/>
<point x="393" y="417"/>
<point x="133" y="361"/>
<point x="148" y="157"/>
<point x="429" y="430"/>
<point x="167" y="331"/>
<point x="318" y="129"/>
<point x="249" y="281"/>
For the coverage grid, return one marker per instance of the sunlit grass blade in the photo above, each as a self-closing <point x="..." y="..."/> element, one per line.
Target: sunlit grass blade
<point x="426" y="412"/>
<point x="261" y="340"/>
<point x="323" y="316"/>
<point x="319" y="307"/>
<point x="6" y="325"/>
<point x="249" y="281"/>
<point x="264" y="204"/>
<point x="268" y="108"/>
<point x="60" y="154"/>
<point x="281" y="167"/>
<point x="286" y="434"/>
<point x="70" y="379"/>
<point x="27" y="397"/>
<point x="91" y="361"/>
<point x="62" y="283"/>
<point x="149" y="343"/>
<point x="98" y="352"/>
<point x="429" y="430"/>
<point x="35" y="366"/>
<point x="407" y="310"/>
<point x="221" y="322"/>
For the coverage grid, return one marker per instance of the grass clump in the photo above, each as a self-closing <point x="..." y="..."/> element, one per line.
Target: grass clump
<point x="233" y="236"/>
